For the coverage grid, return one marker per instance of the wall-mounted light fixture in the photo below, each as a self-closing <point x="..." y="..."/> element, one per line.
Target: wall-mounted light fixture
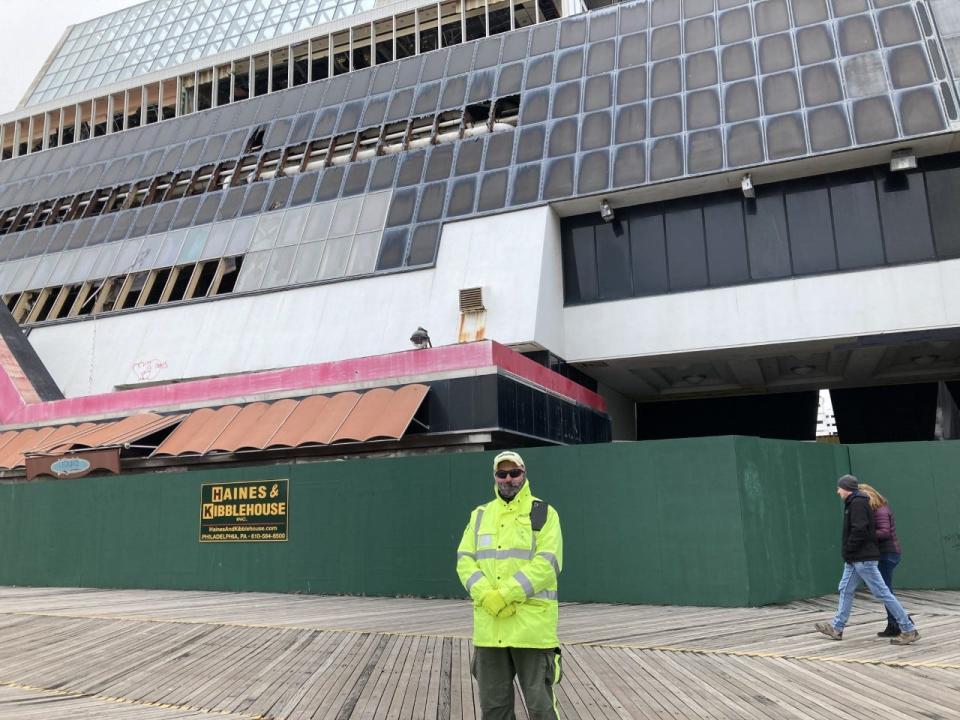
<point x="421" y="339"/>
<point x="606" y="212"/>
<point x="901" y="160"/>
<point x="746" y="185"/>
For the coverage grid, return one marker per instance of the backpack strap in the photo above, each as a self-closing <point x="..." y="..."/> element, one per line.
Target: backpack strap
<point x="538" y="514"/>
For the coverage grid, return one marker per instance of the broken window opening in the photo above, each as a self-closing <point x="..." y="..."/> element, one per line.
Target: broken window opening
<point x="255" y="142"/>
<point x="292" y="161"/>
<point x="476" y="119"/>
<point x="342" y="150"/>
<point x="316" y="156"/>
<point x="201" y="181"/>
<point x="394" y="137"/>
<point x="269" y="165"/>
<point x="507" y="112"/>
<point x="421" y="132"/>
<point x="367" y="144"/>
<point x="156" y="284"/>
<point x="449" y="126"/>
<point x="178" y="186"/>
<point x="205" y="274"/>
<point x="229" y="272"/>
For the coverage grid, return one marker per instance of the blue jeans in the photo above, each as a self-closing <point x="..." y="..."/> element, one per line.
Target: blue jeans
<point x="868" y="572"/>
<point x="888" y="561"/>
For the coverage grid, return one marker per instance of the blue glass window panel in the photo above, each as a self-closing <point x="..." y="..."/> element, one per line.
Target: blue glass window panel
<point x="393" y="248"/>
<point x="330" y="183"/>
<point x="423" y="246"/>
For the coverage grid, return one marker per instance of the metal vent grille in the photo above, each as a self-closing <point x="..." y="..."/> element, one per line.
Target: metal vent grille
<point x="471" y="299"/>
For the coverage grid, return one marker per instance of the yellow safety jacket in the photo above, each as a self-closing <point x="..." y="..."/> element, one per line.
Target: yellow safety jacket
<point x="500" y="551"/>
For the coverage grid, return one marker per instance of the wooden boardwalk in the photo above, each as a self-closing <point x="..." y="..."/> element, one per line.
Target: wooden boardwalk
<point x="154" y="655"/>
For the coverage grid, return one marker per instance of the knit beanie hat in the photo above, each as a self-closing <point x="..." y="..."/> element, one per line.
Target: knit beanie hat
<point x="848" y="482"/>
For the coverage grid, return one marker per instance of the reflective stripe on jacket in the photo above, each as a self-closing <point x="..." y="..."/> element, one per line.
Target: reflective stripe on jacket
<point x="500" y="551"/>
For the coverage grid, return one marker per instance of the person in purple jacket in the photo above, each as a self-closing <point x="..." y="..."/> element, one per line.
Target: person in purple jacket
<point x="885" y="527"/>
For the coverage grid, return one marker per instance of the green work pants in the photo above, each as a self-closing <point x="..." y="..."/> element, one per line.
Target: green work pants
<point x="537" y="670"/>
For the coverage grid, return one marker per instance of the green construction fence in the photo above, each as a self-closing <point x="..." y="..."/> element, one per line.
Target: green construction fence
<point x="725" y="521"/>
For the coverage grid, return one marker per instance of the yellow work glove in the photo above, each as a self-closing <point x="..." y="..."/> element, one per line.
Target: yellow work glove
<point x="509" y="610"/>
<point x="493" y="602"/>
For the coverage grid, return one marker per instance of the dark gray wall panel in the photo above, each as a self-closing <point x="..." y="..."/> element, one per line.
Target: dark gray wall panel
<point x="810" y="225"/>
<point x="856" y="222"/>
<point x="767" y="242"/>
<point x="906" y="222"/>
<point x="613" y="261"/>
<point x="686" y="252"/>
<point x="726" y="241"/>
<point x="649" y="252"/>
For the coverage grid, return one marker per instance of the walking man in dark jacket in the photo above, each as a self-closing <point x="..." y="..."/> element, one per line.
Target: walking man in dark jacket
<point x="861" y="555"/>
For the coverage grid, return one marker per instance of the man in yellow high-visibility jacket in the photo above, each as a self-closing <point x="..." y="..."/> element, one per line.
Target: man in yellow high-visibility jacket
<point x="508" y="560"/>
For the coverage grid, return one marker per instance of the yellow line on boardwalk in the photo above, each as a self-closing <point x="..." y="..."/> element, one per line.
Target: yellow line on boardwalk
<point x="620" y="646"/>
<point x="79" y="694"/>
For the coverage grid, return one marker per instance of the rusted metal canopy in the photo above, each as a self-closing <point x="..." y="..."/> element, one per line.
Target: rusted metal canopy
<point x="15" y="445"/>
<point x="377" y="414"/>
<point x="318" y="420"/>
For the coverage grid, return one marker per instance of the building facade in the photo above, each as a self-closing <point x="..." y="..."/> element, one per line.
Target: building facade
<point x="703" y="210"/>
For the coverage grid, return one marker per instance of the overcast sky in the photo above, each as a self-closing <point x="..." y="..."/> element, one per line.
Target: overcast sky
<point x="29" y="32"/>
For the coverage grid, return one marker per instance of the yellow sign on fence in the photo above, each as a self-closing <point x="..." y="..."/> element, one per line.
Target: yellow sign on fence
<point x="244" y="511"/>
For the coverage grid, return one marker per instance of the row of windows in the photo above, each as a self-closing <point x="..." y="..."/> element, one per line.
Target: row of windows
<point x="834" y="223"/>
<point x="152" y="38"/>
<point x="420" y="31"/>
<point x="257" y="164"/>
<point x="123" y="292"/>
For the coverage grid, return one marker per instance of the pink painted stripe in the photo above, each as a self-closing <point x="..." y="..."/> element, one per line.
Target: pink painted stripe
<point x="522" y="366"/>
<point x="11" y="401"/>
<point x="447" y="358"/>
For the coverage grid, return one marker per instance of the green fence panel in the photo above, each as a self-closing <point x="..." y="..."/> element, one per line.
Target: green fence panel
<point x="921" y="480"/>
<point x="646" y="522"/>
<point x="791" y="517"/>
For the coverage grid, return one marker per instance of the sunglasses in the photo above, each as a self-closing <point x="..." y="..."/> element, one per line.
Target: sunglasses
<point x="504" y="474"/>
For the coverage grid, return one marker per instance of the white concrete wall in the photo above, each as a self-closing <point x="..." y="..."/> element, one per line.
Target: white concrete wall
<point x="514" y="256"/>
<point x="622" y="411"/>
<point x="886" y="300"/>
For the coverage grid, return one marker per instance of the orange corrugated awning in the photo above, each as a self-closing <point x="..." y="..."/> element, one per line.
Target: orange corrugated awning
<point x="128" y="430"/>
<point x="12" y="453"/>
<point x="16" y="444"/>
<point x="62" y="436"/>
<point x="319" y="420"/>
<point x="198" y="432"/>
<point x="378" y="414"/>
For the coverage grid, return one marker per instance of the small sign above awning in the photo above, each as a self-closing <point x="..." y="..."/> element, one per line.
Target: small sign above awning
<point x="74" y="465"/>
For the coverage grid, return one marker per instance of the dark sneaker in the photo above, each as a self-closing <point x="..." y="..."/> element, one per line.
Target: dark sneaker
<point x="905" y="638"/>
<point x="830" y="631"/>
<point x="891" y="630"/>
